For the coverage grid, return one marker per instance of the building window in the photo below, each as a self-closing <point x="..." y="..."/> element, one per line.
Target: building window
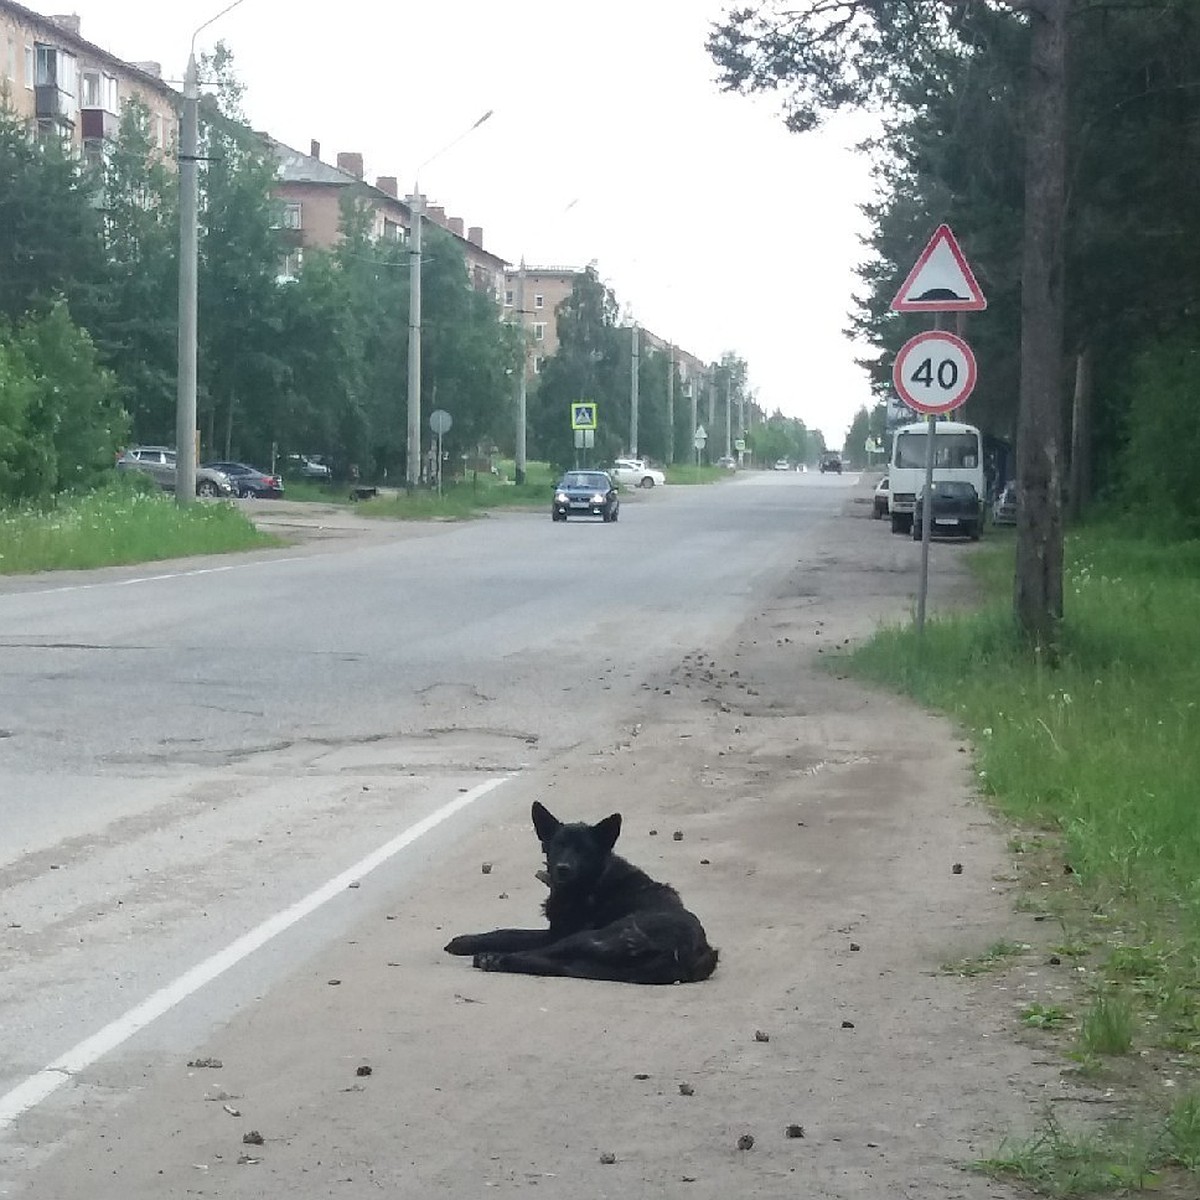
<point x="99" y="91"/>
<point x="539" y="301"/>
<point x="539" y="332"/>
<point x="391" y="229"/>
<point x="289" y="269"/>
<point x="537" y="364"/>
<point x="508" y="298"/>
<point x="292" y="216"/>
<point x="12" y="61"/>
<point x="29" y="68"/>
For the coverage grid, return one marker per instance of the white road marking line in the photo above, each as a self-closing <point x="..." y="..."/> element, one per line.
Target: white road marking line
<point x="37" y="1087"/>
<point x="107" y="583"/>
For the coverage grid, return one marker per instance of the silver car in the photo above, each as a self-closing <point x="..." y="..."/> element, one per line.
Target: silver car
<point x="159" y="463"/>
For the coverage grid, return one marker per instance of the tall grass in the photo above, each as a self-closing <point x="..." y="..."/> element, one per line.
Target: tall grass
<point x="1104" y="747"/>
<point x="119" y="524"/>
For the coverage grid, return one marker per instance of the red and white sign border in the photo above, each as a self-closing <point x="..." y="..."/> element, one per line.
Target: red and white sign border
<point x="914" y="343"/>
<point x="976" y="303"/>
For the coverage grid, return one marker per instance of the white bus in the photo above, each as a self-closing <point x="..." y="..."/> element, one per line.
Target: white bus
<point x="957" y="454"/>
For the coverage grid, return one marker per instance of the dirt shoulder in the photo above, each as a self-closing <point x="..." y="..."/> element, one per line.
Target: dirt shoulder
<point x="821" y="827"/>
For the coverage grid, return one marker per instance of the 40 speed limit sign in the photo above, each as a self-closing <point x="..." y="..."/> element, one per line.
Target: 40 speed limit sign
<point x="934" y="372"/>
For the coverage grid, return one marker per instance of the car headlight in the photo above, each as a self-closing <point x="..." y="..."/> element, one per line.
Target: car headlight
<point x="560" y="497"/>
<point x="598" y="498"/>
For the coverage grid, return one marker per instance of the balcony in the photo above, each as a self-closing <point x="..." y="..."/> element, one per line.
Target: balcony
<point x="53" y="104"/>
<point x="97" y="124"/>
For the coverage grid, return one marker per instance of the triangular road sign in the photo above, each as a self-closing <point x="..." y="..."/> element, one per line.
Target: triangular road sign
<point x="941" y="281"/>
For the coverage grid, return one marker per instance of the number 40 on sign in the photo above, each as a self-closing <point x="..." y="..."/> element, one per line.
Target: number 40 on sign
<point x="934" y="372"/>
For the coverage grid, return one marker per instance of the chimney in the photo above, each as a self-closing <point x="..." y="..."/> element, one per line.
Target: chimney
<point x="150" y="68"/>
<point x="437" y="214"/>
<point x="68" y="21"/>
<point x="388" y="183"/>
<point x="475" y="235"/>
<point x="352" y="164"/>
<point x="314" y="149"/>
<point x="456" y="226"/>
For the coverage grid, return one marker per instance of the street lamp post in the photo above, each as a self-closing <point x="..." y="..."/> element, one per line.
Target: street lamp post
<point x="412" y="465"/>
<point x="519" y="448"/>
<point x="189" y="253"/>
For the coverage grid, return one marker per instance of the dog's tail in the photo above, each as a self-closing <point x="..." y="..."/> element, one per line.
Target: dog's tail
<point x="706" y="964"/>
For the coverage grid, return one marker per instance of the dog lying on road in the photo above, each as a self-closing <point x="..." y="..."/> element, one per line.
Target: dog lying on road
<point x="608" y="920"/>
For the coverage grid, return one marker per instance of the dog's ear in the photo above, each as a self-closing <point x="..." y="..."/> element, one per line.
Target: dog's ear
<point x="607" y="831"/>
<point x="545" y="823"/>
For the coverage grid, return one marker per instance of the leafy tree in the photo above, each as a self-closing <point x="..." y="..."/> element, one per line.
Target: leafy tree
<point x="49" y="226"/>
<point x="133" y="317"/>
<point x="592" y="363"/>
<point x="61" y="421"/>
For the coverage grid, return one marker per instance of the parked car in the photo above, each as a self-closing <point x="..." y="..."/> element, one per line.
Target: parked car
<point x="881" y="498"/>
<point x="159" y="463"/>
<point x="1004" y="507"/>
<point x="305" y="466"/>
<point x="249" y="481"/>
<point x="831" y="461"/>
<point x="636" y="472"/>
<point x="955" y="508"/>
<point x="782" y="465"/>
<point x="585" y="494"/>
<point x="727" y="462"/>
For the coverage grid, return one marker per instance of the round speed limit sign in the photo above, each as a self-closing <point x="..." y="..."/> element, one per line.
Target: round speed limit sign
<point x="934" y="372"/>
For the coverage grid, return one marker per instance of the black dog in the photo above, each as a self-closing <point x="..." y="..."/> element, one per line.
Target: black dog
<point x="608" y="920"/>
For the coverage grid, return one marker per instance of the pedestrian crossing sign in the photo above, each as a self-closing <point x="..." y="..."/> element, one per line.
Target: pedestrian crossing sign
<point x="583" y="414"/>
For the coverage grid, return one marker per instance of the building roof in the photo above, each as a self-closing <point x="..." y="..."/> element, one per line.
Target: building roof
<point x="297" y="167"/>
<point x="69" y="36"/>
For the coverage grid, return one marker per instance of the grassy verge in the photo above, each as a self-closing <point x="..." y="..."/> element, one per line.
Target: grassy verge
<point x="122" y="524"/>
<point x="690" y="473"/>
<point x="1095" y="761"/>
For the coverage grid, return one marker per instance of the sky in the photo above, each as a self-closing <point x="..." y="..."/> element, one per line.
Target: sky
<point x="609" y="141"/>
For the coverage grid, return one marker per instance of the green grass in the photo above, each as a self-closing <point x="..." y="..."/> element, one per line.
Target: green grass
<point x="121" y="524"/>
<point x="1044" y="1016"/>
<point x="689" y="473"/>
<point x="1094" y="760"/>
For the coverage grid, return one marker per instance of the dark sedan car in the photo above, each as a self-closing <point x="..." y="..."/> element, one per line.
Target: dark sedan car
<point x="585" y="494"/>
<point x="955" y="510"/>
<point x="249" y="481"/>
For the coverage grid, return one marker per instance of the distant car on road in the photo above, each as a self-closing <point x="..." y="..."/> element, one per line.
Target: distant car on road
<point x="881" y="498"/>
<point x="585" y="494"/>
<point x="955" y="508"/>
<point x="782" y="465"/>
<point x="249" y="481"/>
<point x="831" y="461"/>
<point x="727" y="462"/>
<point x="636" y="472"/>
<point x="159" y="463"/>
<point x="305" y="466"/>
<point x="1004" y="507"/>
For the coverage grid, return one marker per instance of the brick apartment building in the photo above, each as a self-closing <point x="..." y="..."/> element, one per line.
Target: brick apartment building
<point x="312" y="192"/>
<point x="545" y="289"/>
<point x="63" y="85"/>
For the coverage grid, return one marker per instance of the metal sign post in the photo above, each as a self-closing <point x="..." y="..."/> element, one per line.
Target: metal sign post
<point x="440" y="421"/>
<point x="935" y="371"/>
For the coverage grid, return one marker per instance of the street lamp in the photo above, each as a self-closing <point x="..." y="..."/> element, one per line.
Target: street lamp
<point x="412" y="465"/>
<point x="189" y="249"/>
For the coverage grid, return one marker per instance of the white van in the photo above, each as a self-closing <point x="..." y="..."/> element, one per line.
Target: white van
<point x="957" y="454"/>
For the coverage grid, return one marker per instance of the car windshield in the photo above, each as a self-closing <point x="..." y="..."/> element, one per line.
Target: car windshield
<point x="953" y="487"/>
<point x="586" y="480"/>
<point x="957" y="450"/>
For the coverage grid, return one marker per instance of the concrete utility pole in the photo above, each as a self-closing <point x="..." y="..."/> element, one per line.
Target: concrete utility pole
<point x="670" y="405"/>
<point x="519" y="451"/>
<point x="693" y="387"/>
<point x="189" y="256"/>
<point x="189" y="253"/>
<point x="634" y="364"/>
<point x="728" y="418"/>
<point x="412" y="458"/>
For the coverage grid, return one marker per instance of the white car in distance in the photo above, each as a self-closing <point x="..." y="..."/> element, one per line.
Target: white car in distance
<point x="633" y="472"/>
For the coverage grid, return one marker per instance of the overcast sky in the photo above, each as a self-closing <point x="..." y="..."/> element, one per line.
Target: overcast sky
<point x="716" y="228"/>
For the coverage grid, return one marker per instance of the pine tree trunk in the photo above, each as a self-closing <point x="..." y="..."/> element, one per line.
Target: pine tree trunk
<point x="1038" y="586"/>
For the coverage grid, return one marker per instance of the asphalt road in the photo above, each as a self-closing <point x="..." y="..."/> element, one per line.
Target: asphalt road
<point x="215" y="776"/>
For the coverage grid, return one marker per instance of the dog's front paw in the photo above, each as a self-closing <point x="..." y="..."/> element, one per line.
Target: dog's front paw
<point x="490" y="961"/>
<point x="463" y="944"/>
